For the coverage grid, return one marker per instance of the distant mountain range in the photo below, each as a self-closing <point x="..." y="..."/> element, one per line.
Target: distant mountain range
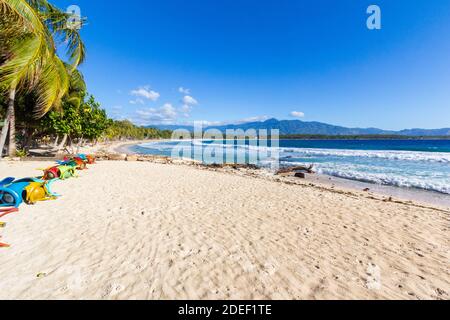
<point x="288" y="127"/>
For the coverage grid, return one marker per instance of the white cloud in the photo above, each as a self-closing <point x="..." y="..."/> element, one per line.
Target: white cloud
<point x="167" y="114"/>
<point x="253" y="119"/>
<point x="184" y="90"/>
<point x="146" y="92"/>
<point x="169" y="110"/>
<point x="186" y="108"/>
<point x="207" y="123"/>
<point x="137" y="101"/>
<point x="190" y="101"/>
<point x="297" y="114"/>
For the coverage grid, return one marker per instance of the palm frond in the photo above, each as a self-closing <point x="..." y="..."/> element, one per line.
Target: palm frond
<point x="75" y="48"/>
<point x="64" y="81"/>
<point x="53" y="85"/>
<point x="24" y="12"/>
<point x="59" y="24"/>
<point x="77" y="84"/>
<point x="26" y="56"/>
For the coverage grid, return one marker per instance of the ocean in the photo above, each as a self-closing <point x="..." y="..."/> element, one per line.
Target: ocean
<point x="419" y="164"/>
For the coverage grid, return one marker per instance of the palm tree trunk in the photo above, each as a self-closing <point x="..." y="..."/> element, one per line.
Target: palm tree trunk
<point x="4" y="134"/>
<point x="55" y="144"/>
<point x="12" y="123"/>
<point x="9" y="126"/>
<point x="63" y="142"/>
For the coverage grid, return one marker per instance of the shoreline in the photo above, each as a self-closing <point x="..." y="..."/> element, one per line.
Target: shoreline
<point x="420" y="196"/>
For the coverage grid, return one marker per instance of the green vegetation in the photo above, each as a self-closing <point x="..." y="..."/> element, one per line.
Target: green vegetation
<point x="120" y="130"/>
<point x="22" y="153"/>
<point x="77" y="121"/>
<point x="42" y="97"/>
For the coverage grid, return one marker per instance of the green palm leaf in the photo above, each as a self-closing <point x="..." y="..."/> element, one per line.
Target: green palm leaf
<point x="53" y="85"/>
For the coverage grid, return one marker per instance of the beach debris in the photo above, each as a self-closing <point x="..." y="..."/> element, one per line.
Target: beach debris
<point x="366" y="189"/>
<point x="186" y="161"/>
<point x="235" y="166"/>
<point x="41" y="275"/>
<point x="2" y="224"/>
<point x="300" y="175"/>
<point x="285" y="174"/>
<point x="294" y="170"/>
<point x="146" y="158"/>
<point x="117" y="156"/>
<point x="238" y="166"/>
<point x="100" y="155"/>
<point x="132" y="158"/>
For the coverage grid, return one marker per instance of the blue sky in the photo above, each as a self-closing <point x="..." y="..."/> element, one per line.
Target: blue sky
<point x="243" y="60"/>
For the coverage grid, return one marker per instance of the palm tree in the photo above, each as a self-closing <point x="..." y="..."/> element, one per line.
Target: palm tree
<point x="29" y="59"/>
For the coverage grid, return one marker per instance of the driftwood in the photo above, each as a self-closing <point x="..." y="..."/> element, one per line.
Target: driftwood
<point x="154" y="159"/>
<point x="117" y="156"/>
<point x="297" y="169"/>
<point x="235" y="166"/>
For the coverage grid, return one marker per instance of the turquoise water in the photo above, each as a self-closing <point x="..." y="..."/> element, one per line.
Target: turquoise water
<point x="421" y="164"/>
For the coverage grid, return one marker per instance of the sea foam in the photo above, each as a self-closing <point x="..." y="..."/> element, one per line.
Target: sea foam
<point x="411" y="169"/>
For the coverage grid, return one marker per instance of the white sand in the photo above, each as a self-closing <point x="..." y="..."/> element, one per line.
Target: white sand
<point x="151" y="231"/>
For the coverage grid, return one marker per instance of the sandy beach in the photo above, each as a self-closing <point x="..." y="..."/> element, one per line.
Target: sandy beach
<point x="139" y="230"/>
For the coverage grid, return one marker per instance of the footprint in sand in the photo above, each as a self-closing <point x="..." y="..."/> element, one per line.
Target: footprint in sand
<point x="373" y="281"/>
<point x="112" y="290"/>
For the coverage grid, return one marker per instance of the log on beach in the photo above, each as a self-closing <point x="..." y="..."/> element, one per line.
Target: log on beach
<point x="296" y="169"/>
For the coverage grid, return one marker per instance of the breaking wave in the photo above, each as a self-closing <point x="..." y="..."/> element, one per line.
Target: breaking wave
<point x="410" y="169"/>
